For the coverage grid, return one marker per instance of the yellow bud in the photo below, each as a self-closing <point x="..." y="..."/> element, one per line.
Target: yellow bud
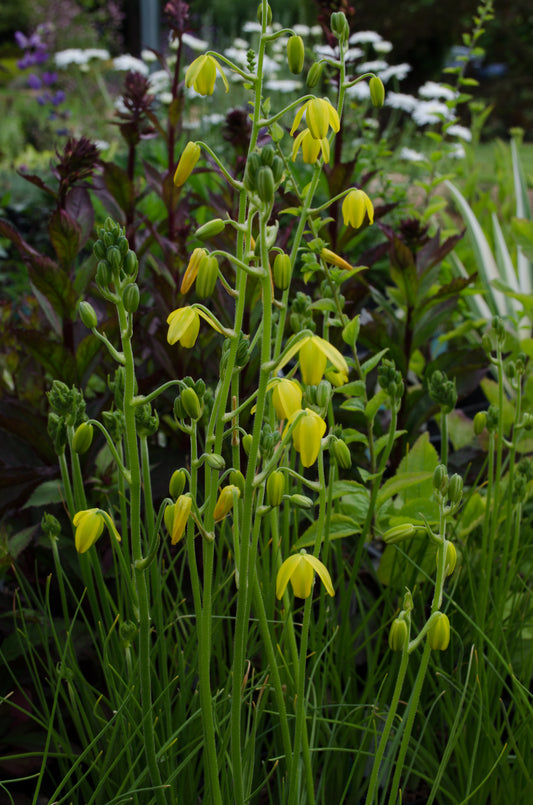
<point x="439" y="632"/>
<point x="286" y="398"/>
<point x="224" y="503"/>
<point x="186" y="164"/>
<point x="354" y="207"/>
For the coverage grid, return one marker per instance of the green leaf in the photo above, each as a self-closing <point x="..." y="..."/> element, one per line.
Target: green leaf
<point x="372" y="362"/>
<point x="401" y="481"/>
<point x="65" y="234"/>
<point x="340" y="526"/>
<point x="46" y="493"/>
<point x="375" y="403"/>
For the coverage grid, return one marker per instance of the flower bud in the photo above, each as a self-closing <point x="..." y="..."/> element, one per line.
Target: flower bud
<point x="191" y="403"/>
<point x="88" y="315"/>
<point x="123" y="245"/>
<point x="207" y="277"/>
<point x="282" y="271"/>
<point x="210" y="229"/>
<point x="339" y="26"/>
<point x="377" y="91"/>
<point x="275" y="487"/>
<point x="455" y="489"/>
<point x="177" y="483"/>
<point x="260" y="14"/>
<point x="480" y="422"/>
<point x="131" y="297"/>
<point x="247" y="443"/>
<point x="342" y="454"/>
<point x="264" y="182"/>
<point x="176" y="517"/>
<point x="215" y="461"/>
<point x="398" y="533"/>
<point x="103" y="274"/>
<point x="277" y="168"/>
<point x="131" y="263"/>
<point x="450" y="559"/>
<point x="439" y="632"/>
<point x="398" y="635"/>
<point x="224" y="503"/>
<point x="237" y="479"/>
<point x="301" y="501"/>
<point x="295" y="54"/>
<point x="114" y="258"/>
<point x="440" y="479"/>
<point x="323" y="394"/>
<point x="186" y="164"/>
<point x="99" y="250"/>
<point x="82" y="439"/>
<point x="314" y="75"/>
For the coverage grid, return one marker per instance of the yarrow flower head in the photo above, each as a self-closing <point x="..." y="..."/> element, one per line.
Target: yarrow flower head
<point x="300" y="570"/>
<point x="89" y="525"/>
<point x="201" y="75"/>
<point x="319" y="116"/>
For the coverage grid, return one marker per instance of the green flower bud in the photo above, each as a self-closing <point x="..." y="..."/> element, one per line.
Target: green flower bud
<point x="247" y="443"/>
<point x="210" y="229"/>
<point x="131" y="297"/>
<point x="114" y="258"/>
<point x="339" y="26"/>
<point x="260" y="14"/>
<point x="103" y="274"/>
<point x="131" y="263"/>
<point x="252" y="166"/>
<point x="277" y="168"/>
<point x="399" y="533"/>
<point x="486" y="343"/>
<point x="123" y="245"/>
<point x="398" y="635"/>
<point x="493" y="415"/>
<point x="314" y="75"/>
<point x="127" y="632"/>
<point x="267" y="155"/>
<point x="440" y="479"/>
<point x="341" y="453"/>
<point x="295" y="54"/>
<point x="439" y="632"/>
<point x="176" y="484"/>
<point x="99" y="250"/>
<point x="207" y="276"/>
<point x="82" y="439"/>
<point x="191" y="403"/>
<point x="377" y="91"/>
<point x="301" y="501"/>
<point x="450" y="559"/>
<point x="455" y="489"/>
<point x="51" y="526"/>
<point x="88" y="315"/>
<point x="275" y="487"/>
<point x="264" y="182"/>
<point x="282" y="271"/>
<point x="323" y="394"/>
<point x="237" y="479"/>
<point x="480" y="422"/>
<point x="215" y="461"/>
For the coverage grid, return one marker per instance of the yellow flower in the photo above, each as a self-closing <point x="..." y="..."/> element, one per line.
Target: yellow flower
<point x="176" y="517"/>
<point x="356" y="203"/>
<point x="224" y="503"/>
<point x="286" y="397"/>
<point x="191" y="271"/>
<point x="314" y="352"/>
<point x="300" y="569"/>
<point x="335" y="259"/>
<point x="307" y="435"/>
<point x="202" y="73"/>
<point x="186" y="164"/>
<point x="311" y="148"/>
<point x="89" y="525"/>
<point x="439" y="632"/>
<point x="319" y="116"/>
<point x="183" y="326"/>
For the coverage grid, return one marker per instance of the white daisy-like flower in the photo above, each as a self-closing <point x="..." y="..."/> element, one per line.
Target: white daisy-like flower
<point x="372" y="66"/>
<point x="127" y="62"/>
<point x="410" y="155"/>
<point x="159" y="81"/>
<point x="102" y="145"/>
<point x="433" y="90"/>
<point x="383" y="47"/>
<point x="63" y="58"/>
<point x="365" y="38"/>
<point x="397" y="71"/>
<point x="283" y="85"/>
<point x="325" y="51"/>
<point x="315" y="30"/>
<point x="194" y="43"/>
<point x="241" y="44"/>
<point x="429" y="112"/>
<point x="400" y="100"/>
<point x="354" y="53"/>
<point x="165" y="97"/>
<point x="460" y="131"/>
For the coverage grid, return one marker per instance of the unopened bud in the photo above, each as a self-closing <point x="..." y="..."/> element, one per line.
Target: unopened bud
<point x="314" y="75"/>
<point x="480" y="422"/>
<point x="342" y="454"/>
<point x="237" y="479"/>
<point x="399" y="533"/>
<point x="131" y="297"/>
<point x="301" y="501"/>
<point x="275" y="487"/>
<point x="191" y="403"/>
<point x="210" y="229"/>
<point x="450" y="559"/>
<point x="247" y="443"/>
<point x="439" y="632"/>
<point x="282" y="271"/>
<point x="83" y="437"/>
<point x="224" y="503"/>
<point x="131" y="263"/>
<point x="88" y="315"/>
<point x="295" y="54"/>
<point x="177" y="483"/>
<point x="215" y="461"/>
<point x="398" y="635"/>
<point x="339" y="26"/>
<point x="377" y="91"/>
<point x="455" y="489"/>
<point x="440" y="479"/>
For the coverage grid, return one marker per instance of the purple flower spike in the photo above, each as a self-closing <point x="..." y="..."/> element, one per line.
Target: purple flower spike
<point x="58" y="97"/>
<point x="34" y="82"/>
<point x="21" y="40"/>
<point x="49" y="78"/>
<point x="40" y="56"/>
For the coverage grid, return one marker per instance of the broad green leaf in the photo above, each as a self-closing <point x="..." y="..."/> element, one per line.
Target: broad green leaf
<point x="368" y="365"/>
<point x="375" y="403"/>
<point x="340" y="526"/>
<point x="46" y="493"/>
<point x="401" y="481"/>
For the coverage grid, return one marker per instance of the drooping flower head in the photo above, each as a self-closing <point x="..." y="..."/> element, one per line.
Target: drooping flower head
<point x="354" y="207"/>
<point x="286" y="397"/>
<point x="300" y="570"/>
<point x="320" y="114"/>
<point x="89" y="525"/>
<point x="184" y="325"/>
<point x="311" y="148"/>
<point x="314" y="354"/>
<point x="201" y="75"/>
<point x="307" y="434"/>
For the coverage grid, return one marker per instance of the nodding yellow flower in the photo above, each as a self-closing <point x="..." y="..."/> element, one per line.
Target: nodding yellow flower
<point x="300" y="570"/>
<point x="311" y="148"/>
<point x="319" y="116"/>
<point x="307" y="434"/>
<point x="176" y="517"/>
<point x="314" y="353"/>
<point x="201" y="75"/>
<point x="439" y="632"/>
<point x="224" y="503"/>
<point x="186" y="163"/>
<point x="183" y="326"/>
<point x="335" y="259"/>
<point x="286" y="397"/>
<point x="191" y="272"/>
<point x="89" y="525"/>
<point x="356" y="203"/>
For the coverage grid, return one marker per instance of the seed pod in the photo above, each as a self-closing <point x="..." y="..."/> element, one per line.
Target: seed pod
<point x="207" y="276"/>
<point x="88" y="315"/>
<point x="398" y="635"/>
<point x="295" y="54"/>
<point x="215" y="461"/>
<point x="131" y="297"/>
<point x="83" y="437"/>
<point x="264" y="182"/>
<point x="275" y="487"/>
<point x="177" y="483"/>
<point x="282" y="271"/>
<point x="191" y="403"/>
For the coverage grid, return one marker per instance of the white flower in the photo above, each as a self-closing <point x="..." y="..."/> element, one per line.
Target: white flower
<point x="370" y="123"/>
<point x="397" y="71"/>
<point x="148" y="56"/>
<point x="270" y="65"/>
<point x="457" y="152"/>
<point x="128" y="62"/>
<point x="325" y="50"/>
<point x="315" y="30"/>
<point x="460" y="131"/>
<point x="400" y="100"/>
<point x="301" y="30"/>
<point x="372" y="66"/>
<point x="364" y="37"/>
<point x="383" y="46"/>
<point x="433" y="90"/>
<point x="359" y="91"/>
<point x="354" y="53"/>
<point x="237" y="55"/>
<point x="194" y="43"/>
<point x="214" y="119"/>
<point x="120" y="106"/>
<point x="165" y="97"/>
<point x="251" y="27"/>
<point x="428" y="112"/>
<point x="410" y="155"/>
<point x="241" y="44"/>
<point x="102" y="145"/>
<point x="283" y="85"/>
<point x="97" y="53"/>
<point x="70" y="56"/>
<point x="159" y="81"/>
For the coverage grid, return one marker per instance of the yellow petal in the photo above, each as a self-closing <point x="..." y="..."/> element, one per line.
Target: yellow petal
<point x="322" y="571"/>
<point x="191" y="271"/>
<point x="284" y="573"/>
<point x="286" y="398"/>
<point x="312" y="362"/>
<point x="302" y="577"/>
<point x="184" y="325"/>
<point x="332" y="353"/>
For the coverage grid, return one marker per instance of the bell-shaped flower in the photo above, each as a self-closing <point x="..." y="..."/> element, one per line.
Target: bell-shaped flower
<point x="307" y="434"/>
<point x="286" y="397"/>
<point x="89" y="525"/>
<point x="300" y="570"/>
<point x="311" y="147"/>
<point x="201" y="75"/>
<point x="176" y="517"/>
<point x="191" y="272"/>
<point x="224" y="503"/>
<point x="354" y="207"/>
<point x="314" y="353"/>
<point x="186" y="164"/>
<point x="319" y="116"/>
<point x="184" y="325"/>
